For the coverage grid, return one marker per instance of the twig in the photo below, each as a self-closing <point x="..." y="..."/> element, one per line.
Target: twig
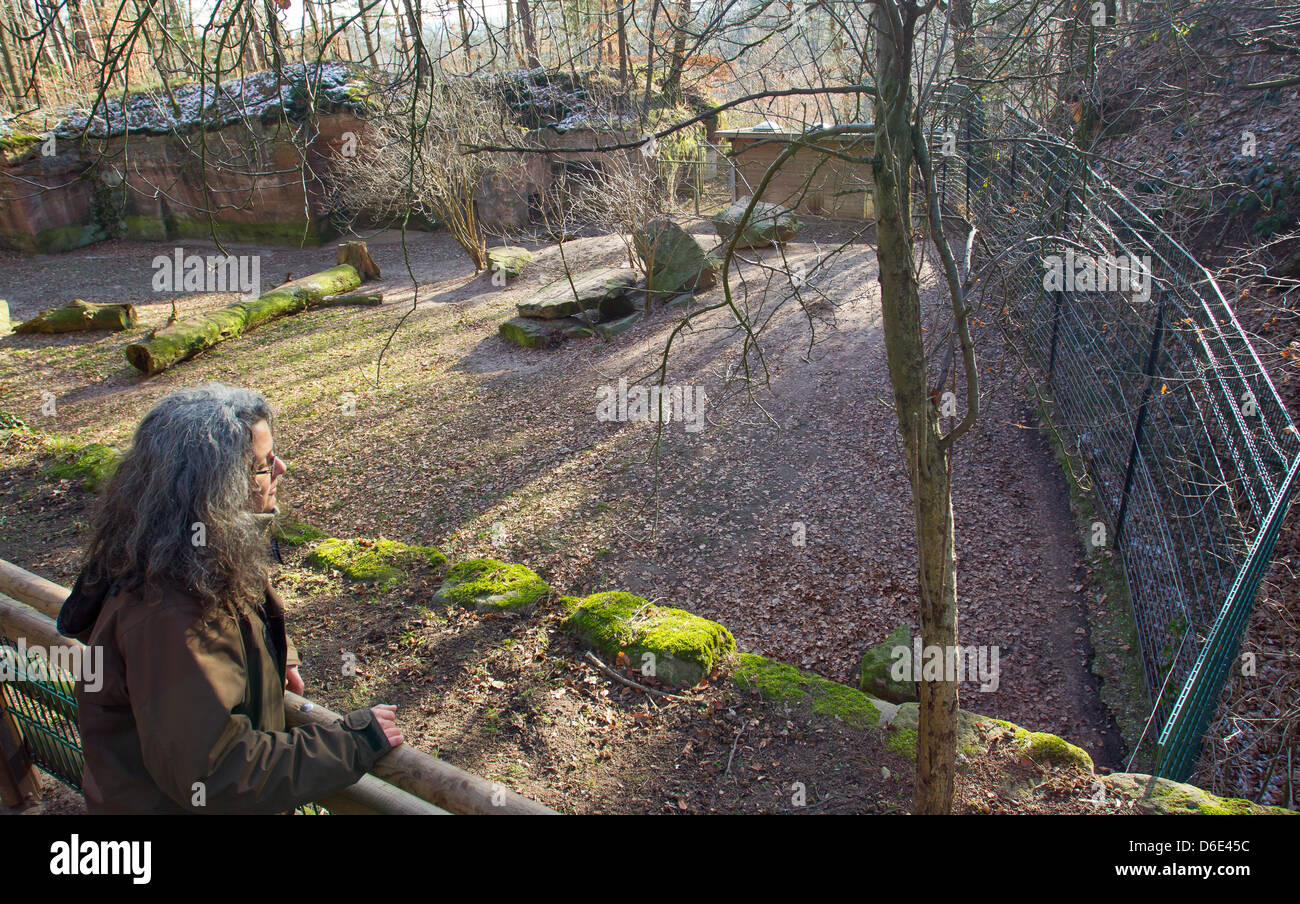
<point x="641" y="687"/>
<point x="734" y="742"/>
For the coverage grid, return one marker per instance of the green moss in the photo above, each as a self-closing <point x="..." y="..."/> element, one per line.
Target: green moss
<point x="1048" y="748"/>
<point x="1155" y="795"/>
<point x="784" y="683"/>
<point x="384" y="561"/>
<point x="53" y="240"/>
<point x="489" y="585"/>
<point x="295" y="532"/>
<point x="89" y="463"/>
<point x="293" y="233"/>
<point x="902" y="742"/>
<point x="681" y="647"/>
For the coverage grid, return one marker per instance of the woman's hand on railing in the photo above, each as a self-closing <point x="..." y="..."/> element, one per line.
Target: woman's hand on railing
<point x="386" y="716"/>
<point x="293" y="681"/>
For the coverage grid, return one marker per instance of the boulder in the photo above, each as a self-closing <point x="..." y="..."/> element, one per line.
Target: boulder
<point x="769" y="224"/>
<point x="674" y="261"/>
<point x="385" y="562"/>
<point x="534" y="332"/>
<point x="589" y="289"/>
<point x="509" y="259"/>
<point x="876" y="677"/>
<point x="487" y="585"/>
<point x="673" y="645"/>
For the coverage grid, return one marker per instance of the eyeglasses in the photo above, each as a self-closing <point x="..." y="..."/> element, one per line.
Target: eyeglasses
<point x="269" y="468"/>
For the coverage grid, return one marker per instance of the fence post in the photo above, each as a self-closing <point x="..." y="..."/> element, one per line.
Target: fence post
<point x="18" y="781"/>
<point x="1149" y="374"/>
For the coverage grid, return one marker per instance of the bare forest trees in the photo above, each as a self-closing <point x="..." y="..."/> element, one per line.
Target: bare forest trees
<point x="411" y="160"/>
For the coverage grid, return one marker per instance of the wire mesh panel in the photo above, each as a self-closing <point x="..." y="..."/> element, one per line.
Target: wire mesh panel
<point x="39" y="696"/>
<point x="1189" y="449"/>
<point x="40" y="701"/>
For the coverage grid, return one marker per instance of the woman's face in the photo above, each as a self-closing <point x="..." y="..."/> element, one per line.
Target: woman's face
<point x="268" y="468"/>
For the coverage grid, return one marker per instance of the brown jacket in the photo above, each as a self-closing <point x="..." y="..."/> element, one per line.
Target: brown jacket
<point x="189" y="717"/>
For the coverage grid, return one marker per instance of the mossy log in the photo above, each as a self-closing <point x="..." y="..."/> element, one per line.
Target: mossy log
<point x="358" y="255"/>
<point x="81" y="315"/>
<point x="368" y="299"/>
<point x="188" y="337"/>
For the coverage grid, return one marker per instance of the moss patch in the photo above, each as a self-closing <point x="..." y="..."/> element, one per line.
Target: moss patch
<point x="384" y="561"/>
<point x="673" y="645"/>
<point x="295" y="532"/>
<point x="784" y="683"/>
<point x="489" y="585"/>
<point x="1161" y="796"/>
<point x="89" y="464"/>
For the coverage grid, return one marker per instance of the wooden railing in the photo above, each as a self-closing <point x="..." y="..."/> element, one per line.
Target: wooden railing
<point x="403" y="781"/>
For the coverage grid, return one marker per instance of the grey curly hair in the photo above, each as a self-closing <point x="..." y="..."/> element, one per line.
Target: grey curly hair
<point x="190" y="463"/>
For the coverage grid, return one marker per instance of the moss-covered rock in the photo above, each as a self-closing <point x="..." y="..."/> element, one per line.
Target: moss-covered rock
<point x="680" y="647"/>
<point x="385" y="562"/>
<point x="601" y="289"/>
<point x="673" y="260"/>
<point x="532" y="332"/>
<point x="88" y="463"/>
<point x="508" y="259"/>
<point x="876" y="675"/>
<point x="784" y="683"/>
<point x="296" y="532"/>
<point x="1164" y="797"/>
<point x="903" y="731"/>
<point x="488" y="585"/>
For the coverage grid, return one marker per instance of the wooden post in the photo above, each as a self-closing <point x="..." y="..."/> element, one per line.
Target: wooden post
<point x="428" y="778"/>
<point x="18" y="780"/>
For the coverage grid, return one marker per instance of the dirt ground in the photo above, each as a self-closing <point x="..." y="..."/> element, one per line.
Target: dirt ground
<point x="482" y="448"/>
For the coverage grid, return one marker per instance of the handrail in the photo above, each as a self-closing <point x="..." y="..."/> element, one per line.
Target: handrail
<point x="431" y="780"/>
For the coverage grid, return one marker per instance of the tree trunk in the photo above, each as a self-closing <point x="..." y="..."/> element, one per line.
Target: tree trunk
<point x="358" y="255"/>
<point x="622" y="47"/>
<point x="186" y="338"/>
<point x="918" y="418"/>
<point x="530" y="33"/>
<point x="80" y="315"/>
<point x="673" y="80"/>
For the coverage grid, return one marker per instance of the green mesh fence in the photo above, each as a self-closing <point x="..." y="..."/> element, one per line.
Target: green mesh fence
<point x="1191" y="454"/>
<point x="43" y="707"/>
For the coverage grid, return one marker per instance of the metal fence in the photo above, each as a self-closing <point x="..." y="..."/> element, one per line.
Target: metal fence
<point x="43" y="708"/>
<point x="1191" y="453"/>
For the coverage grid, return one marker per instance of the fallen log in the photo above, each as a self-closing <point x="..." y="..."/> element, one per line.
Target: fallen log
<point x="358" y="255"/>
<point x="80" y="315"/>
<point x="368" y="299"/>
<point x="188" y="337"/>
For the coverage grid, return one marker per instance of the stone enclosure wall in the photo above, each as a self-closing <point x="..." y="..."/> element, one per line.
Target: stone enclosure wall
<point x="252" y="181"/>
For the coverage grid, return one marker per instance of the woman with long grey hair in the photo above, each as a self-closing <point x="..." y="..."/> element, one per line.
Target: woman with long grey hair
<point x="189" y="714"/>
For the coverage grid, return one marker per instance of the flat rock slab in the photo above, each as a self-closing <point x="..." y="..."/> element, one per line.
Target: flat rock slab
<point x="769" y="224"/>
<point x="534" y="332"/>
<point x="509" y="259"/>
<point x="589" y="289"/>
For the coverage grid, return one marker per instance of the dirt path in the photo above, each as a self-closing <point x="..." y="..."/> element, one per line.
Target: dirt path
<point x="485" y="448"/>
